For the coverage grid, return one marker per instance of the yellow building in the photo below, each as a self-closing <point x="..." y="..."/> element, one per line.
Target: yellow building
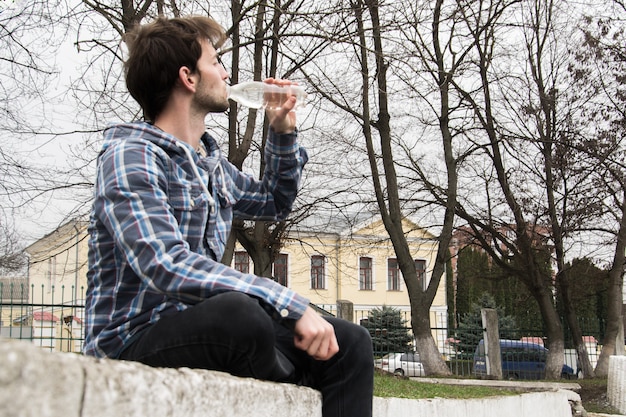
<point x="13" y="291"/>
<point x="356" y="264"/>
<point x="57" y="268"/>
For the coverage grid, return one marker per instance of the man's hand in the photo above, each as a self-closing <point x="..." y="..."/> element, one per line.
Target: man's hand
<point x="315" y="336"/>
<point x="282" y="120"/>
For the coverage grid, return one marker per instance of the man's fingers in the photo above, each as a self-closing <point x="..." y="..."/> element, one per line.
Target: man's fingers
<point x="310" y="346"/>
<point x="321" y="346"/>
<point x="282" y="119"/>
<point x="327" y="349"/>
<point x="315" y="336"/>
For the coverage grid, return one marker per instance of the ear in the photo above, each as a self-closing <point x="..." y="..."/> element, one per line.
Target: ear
<point x="188" y="80"/>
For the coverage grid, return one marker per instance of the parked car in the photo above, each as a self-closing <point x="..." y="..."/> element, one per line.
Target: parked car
<point x="520" y="360"/>
<point x="405" y="364"/>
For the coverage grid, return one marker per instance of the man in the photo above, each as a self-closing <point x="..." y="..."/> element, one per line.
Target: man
<point x="164" y="202"/>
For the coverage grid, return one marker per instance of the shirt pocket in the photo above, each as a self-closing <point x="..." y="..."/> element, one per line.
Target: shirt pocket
<point x="185" y="197"/>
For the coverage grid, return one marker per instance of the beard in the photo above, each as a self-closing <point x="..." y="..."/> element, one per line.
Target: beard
<point x="211" y="99"/>
<point x="209" y="103"/>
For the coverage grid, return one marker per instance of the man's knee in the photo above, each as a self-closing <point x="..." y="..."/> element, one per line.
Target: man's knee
<point x="236" y="312"/>
<point x="353" y="337"/>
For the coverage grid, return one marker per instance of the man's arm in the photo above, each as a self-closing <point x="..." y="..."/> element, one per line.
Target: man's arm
<point x="132" y="203"/>
<point x="313" y="334"/>
<point x="272" y="198"/>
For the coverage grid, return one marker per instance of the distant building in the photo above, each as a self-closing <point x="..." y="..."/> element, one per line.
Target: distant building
<point x="324" y="260"/>
<point x="13" y="290"/>
<point x="332" y="260"/>
<point x="57" y="283"/>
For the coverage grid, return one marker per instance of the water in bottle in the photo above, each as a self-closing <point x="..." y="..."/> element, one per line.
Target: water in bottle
<point x="256" y="94"/>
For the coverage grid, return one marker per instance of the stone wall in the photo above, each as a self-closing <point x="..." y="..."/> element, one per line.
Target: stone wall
<point x="37" y="383"/>
<point x="616" y="384"/>
<point x="42" y="384"/>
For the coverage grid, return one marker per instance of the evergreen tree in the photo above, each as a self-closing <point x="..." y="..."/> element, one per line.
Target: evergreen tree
<point x="588" y="287"/>
<point x="477" y="275"/>
<point x="450" y="294"/>
<point x="472" y="269"/>
<point x="389" y="331"/>
<point x="470" y="329"/>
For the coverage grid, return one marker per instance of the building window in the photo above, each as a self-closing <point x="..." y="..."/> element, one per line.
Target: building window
<point x="365" y="274"/>
<point x="317" y="272"/>
<point x="242" y="262"/>
<point x="393" y="275"/>
<point x="280" y="269"/>
<point x="420" y="268"/>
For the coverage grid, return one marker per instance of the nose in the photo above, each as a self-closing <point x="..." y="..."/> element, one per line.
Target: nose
<point x="224" y="74"/>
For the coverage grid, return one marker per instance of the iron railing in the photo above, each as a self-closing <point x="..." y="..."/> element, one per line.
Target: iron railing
<point x="52" y="317"/>
<point x="47" y="316"/>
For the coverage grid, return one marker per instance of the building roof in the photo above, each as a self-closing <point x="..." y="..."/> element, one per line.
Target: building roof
<point x="58" y="240"/>
<point x="14" y="289"/>
<point x="348" y="223"/>
<point x="45" y="316"/>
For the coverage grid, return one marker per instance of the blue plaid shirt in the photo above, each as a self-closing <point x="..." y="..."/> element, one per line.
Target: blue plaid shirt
<point x="155" y="236"/>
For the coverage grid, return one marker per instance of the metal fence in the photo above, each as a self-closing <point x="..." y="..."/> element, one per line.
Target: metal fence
<point x="459" y="347"/>
<point x="49" y="317"/>
<point x="53" y="318"/>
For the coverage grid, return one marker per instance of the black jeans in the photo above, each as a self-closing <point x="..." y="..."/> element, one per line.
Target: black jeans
<point x="231" y="332"/>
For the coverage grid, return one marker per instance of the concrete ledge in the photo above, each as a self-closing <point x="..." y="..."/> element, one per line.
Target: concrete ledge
<point x="536" y="404"/>
<point x="616" y="383"/>
<point x="524" y="386"/>
<point x="43" y="384"/>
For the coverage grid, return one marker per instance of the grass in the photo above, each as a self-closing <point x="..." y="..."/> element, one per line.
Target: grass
<point x="387" y="385"/>
<point x="592" y="392"/>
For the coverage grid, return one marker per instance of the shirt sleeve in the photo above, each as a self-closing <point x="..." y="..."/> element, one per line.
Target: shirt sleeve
<point x="132" y="202"/>
<point x="273" y="196"/>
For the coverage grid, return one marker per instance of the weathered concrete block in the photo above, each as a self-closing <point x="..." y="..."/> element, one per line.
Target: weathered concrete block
<point x="31" y="384"/>
<point x="539" y="404"/>
<point x="43" y="384"/>
<point x="616" y="383"/>
<point x="117" y="388"/>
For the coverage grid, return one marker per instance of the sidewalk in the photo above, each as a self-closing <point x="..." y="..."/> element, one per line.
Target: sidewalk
<point x="603" y="415"/>
<point x="526" y="386"/>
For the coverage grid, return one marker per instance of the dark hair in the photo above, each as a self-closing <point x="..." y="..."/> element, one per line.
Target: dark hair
<point x="158" y="50"/>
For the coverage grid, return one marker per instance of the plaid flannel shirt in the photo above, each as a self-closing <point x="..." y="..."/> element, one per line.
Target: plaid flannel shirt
<point x="155" y="238"/>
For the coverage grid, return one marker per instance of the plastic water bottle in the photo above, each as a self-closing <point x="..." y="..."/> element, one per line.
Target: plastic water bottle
<point x="256" y="94"/>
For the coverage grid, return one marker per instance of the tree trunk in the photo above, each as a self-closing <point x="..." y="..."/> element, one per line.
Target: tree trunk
<point x="584" y="364"/>
<point x="388" y="197"/>
<point x="615" y="319"/>
<point x="429" y="353"/>
<point x="554" y="334"/>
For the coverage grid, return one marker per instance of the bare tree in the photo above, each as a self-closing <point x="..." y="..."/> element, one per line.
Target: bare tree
<point x="27" y="46"/>
<point x="597" y="72"/>
<point x="465" y="67"/>
<point x="518" y="240"/>
<point x="272" y="29"/>
<point x="12" y="260"/>
<point x="385" y="179"/>
<point x="567" y="177"/>
<point x="446" y="41"/>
